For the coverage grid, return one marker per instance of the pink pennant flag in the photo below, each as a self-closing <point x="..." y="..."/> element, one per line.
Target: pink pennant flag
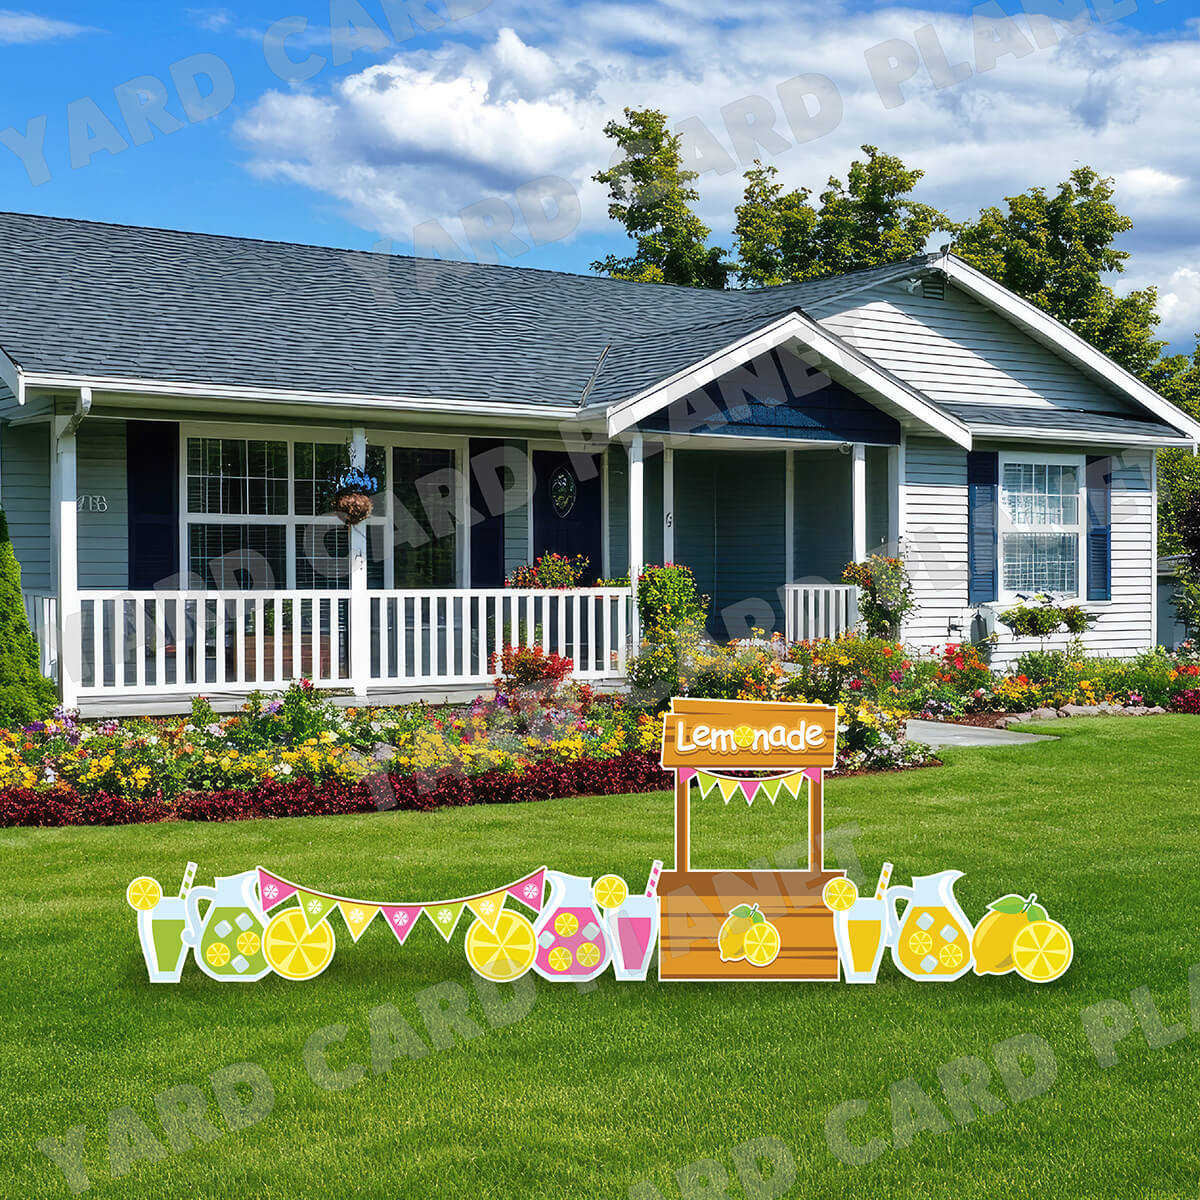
<point x="273" y="890"/>
<point x="812" y="774"/>
<point x="749" y="787"/>
<point x="686" y="774"/>
<point x="401" y="918"/>
<point x="529" y="890"/>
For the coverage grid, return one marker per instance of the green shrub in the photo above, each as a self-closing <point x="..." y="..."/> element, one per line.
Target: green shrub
<point x="1044" y="618"/>
<point x="885" y="593"/>
<point x="25" y="693"/>
<point x="668" y="600"/>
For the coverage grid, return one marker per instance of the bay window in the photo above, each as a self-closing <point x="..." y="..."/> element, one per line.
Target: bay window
<point x="1040" y="531"/>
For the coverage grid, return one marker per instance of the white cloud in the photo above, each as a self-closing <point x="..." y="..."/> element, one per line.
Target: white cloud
<point x="211" y="20"/>
<point x="21" y="28"/>
<point x="430" y="132"/>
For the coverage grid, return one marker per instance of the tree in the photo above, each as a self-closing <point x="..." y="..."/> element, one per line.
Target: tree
<point x="1178" y="379"/>
<point x="1054" y="250"/>
<point x="652" y="196"/>
<point x="25" y="693"/>
<point x="869" y="221"/>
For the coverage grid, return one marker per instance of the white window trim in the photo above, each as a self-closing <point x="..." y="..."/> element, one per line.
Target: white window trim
<point x="387" y="440"/>
<point x="1005" y="525"/>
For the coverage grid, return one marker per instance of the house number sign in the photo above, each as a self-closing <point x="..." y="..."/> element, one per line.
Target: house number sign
<point x="96" y="504"/>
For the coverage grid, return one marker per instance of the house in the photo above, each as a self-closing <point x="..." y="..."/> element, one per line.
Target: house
<point x="175" y="404"/>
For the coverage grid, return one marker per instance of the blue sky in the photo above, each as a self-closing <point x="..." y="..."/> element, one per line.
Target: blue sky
<point x="435" y="139"/>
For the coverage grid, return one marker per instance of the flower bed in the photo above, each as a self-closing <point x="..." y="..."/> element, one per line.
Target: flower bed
<point x="298" y="753"/>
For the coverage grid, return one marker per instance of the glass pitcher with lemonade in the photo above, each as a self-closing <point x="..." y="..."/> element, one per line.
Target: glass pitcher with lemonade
<point x="228" y="938"/>
<point x="933" y="938"/>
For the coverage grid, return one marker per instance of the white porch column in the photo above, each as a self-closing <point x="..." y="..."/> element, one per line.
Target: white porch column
<point x="858" y="489"/>
<point x="789" y="517"/>
<point x="895" y="473"/>
<point x="637" y="516"/>
<point x="668" y="504"/>
<point x="360" y="602"/>
<point x="65" y="532"/>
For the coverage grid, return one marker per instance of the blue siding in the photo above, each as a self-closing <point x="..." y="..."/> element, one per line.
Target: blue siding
<point x="103" y="536"/>
<point x="618" y="511"/>
<point x="516" y="519"/>
<point x="25" y="495"/>
<point x="653" y="492"/>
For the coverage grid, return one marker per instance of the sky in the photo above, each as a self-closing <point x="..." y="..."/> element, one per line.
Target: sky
<point x="471" y="129"/>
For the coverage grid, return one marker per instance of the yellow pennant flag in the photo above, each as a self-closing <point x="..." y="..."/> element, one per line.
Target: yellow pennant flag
<point x="357" y="916"/>
<point x="729" y="789"/>
<point x="487" y="908"/>
<point x="794" y="783"/>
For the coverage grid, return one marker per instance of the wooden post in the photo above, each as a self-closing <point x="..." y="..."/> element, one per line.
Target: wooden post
<point x="683" y="848"/>
<point x="816" y="822"/>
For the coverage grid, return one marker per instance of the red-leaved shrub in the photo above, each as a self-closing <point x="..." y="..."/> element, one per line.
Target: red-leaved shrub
<point x="1186" y="702"/>
<point x="635" y="771"/>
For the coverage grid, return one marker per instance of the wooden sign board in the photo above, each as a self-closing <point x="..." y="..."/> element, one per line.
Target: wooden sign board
<point x="709" y="918"/>
<point x="745" y="734"/>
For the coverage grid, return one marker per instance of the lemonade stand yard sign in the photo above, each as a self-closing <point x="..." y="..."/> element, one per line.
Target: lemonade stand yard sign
<point x="742" y="924"/>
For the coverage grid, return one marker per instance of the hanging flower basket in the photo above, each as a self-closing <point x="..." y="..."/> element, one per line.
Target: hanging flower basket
<point x="352" y="501"/>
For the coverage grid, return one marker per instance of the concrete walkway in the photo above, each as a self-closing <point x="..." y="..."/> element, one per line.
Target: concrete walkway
<point x="942" y="733"/>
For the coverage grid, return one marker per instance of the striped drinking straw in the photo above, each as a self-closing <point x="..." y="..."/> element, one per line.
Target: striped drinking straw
<point x="652" y="882"/>
<point x="884" y="876"/>
<point x="189" y="877"/>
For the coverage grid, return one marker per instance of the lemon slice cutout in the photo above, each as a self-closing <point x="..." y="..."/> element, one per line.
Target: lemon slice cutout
<point x="611" y="891"/>
<point x="1042" y="951"/>
<point x="143" y="893"/>
<point x="295" y="951"/>
<point x="762" y="944"/>
<point x="504" y="953"/>
<point x="839" y="894"/>
<point x="565" y="924"/>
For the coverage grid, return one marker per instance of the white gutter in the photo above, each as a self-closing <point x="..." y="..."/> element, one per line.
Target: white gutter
<point x="12" y="377"/>
<point x="83" y="406"/>
<point x="422" y="404"/>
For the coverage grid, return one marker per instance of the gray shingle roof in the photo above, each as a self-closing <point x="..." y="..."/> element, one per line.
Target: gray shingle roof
<point x="991" y="418"/>
<point x="84" y="298"/>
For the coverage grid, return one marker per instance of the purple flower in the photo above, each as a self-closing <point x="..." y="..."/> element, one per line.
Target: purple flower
<point x="273" y="707"/>
<point x="35" y="727"/>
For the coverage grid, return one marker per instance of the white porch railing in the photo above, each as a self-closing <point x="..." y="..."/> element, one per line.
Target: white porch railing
<point x="193" y="642"/>
<point x="824" y="610"/>
<point x="40" y="611"/>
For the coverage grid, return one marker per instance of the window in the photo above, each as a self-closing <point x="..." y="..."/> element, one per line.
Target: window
<point x="1040" y="534"/>
<point x="257" y="515"/>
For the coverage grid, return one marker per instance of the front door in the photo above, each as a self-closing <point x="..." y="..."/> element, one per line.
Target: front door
<point x="567" y="507"/>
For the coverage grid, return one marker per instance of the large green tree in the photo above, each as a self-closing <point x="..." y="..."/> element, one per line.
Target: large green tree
<point x="868" y="221"/>
<point x="651" y="194"/>
<point x="1055" y="249"/>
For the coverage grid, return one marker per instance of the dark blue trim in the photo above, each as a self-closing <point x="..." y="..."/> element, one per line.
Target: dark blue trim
<point x="1099" y="528"/>
<point x="983" y="477"/>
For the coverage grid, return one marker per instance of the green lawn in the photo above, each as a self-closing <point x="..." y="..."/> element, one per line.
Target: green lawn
<point x="615" y="1091"/>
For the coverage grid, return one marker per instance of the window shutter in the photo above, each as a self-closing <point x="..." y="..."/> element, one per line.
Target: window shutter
<point x="1099" y="528"/>
<point x="983" y="476"/>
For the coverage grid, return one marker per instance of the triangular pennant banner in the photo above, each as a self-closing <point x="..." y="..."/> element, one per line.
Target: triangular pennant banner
<point x="272" y="890"/>
<point x="686" y="774"/>
<point x="793" y="783"/>
<point x="813" y="774"/>
<point x="445" y="917"/>
<point x="728" y="788"/>
<point x="770" y="788"/>
<point x="529" y="890"/>
<point x="401" y="918"/>
<point x="706" y="782"/>
<point x="357" y="916"/>
<point x="314" y="907"/>
<point x="487" y="908"/>
<point x="749" y="787"/>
